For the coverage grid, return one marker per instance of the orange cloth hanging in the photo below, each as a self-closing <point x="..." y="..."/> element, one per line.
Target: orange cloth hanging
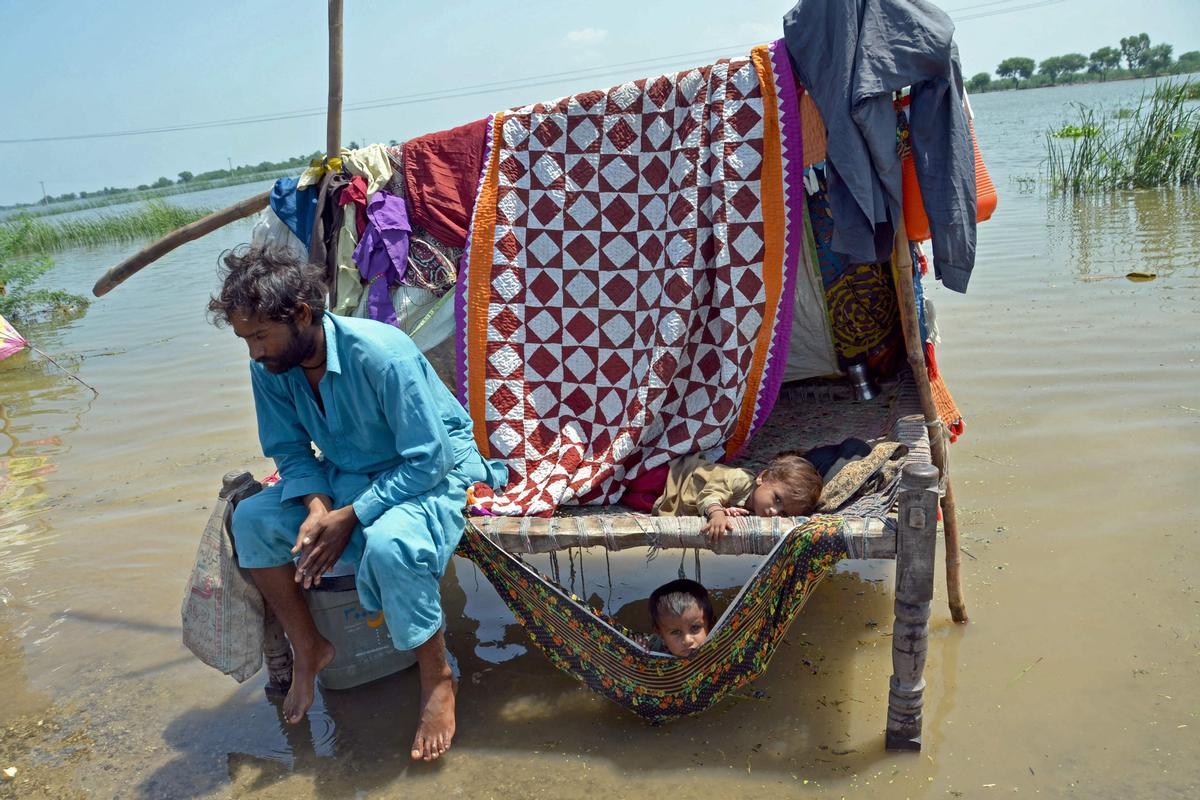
<point x="915" y="220"/>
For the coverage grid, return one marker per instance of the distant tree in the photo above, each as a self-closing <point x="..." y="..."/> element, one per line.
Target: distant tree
<point x="1016" y="68"/>
<point x="160" y="183"/>
<point x="1134" y="49"/>
<point x="1103" y="60"/>
<point x="143" y="186"/>
<point x="1157" y="59"/>
<point x="1052" y="67"/>
<point x="185" y="176"/>
<point x="1189" y="61"/>
<point x="1073" y="62"/>
<point x="979" y="82"/>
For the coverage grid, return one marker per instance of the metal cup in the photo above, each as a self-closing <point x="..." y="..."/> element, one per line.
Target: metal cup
<point x="860" y="382"/>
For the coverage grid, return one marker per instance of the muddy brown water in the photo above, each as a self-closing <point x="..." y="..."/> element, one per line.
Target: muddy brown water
<point x="1078" y="676"/>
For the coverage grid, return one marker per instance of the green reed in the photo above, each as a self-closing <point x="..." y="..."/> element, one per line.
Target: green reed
<point x="154" y="219"/>
<point x="1156" y="144"/>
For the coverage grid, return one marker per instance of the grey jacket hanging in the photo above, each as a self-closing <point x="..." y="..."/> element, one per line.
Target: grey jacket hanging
<point x="851" y="56"/>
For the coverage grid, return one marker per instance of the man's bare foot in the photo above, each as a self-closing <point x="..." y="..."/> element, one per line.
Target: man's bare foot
<point x="305" y="667"/>
<point x="436" y="728"/>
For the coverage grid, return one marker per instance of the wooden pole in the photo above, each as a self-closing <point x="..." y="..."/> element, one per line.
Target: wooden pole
<point x="902" y="274"/>
<point x="333" y="121"/>
<point x="156" y="250"/>
<point x="916" y="545"/>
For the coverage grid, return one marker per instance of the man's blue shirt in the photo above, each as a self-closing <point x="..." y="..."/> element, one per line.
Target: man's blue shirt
<point x="387" y="415"/>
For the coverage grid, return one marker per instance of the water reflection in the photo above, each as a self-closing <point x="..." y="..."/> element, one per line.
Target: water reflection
<point x="41" y="404"/>
<point x="1149" y="230"/>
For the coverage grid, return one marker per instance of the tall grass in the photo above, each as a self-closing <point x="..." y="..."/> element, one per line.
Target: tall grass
<point x="1158" y="144"/>
<point x="155" y="219"/>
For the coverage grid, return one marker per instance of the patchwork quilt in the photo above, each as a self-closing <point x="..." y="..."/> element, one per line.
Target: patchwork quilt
<point x="627" y="262"/>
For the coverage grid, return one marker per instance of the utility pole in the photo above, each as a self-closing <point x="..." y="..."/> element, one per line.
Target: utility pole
<point x="45" y="200"/>
<point x="230" y="160"/>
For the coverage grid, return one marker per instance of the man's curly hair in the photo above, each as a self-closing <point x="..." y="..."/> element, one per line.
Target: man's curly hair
<point x="271" y="282"/>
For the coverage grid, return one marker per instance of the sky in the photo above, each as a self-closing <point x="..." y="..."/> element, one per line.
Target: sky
<point x="76" y="68"/>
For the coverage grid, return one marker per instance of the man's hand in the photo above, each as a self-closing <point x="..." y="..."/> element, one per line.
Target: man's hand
<point x="322" y="538"/>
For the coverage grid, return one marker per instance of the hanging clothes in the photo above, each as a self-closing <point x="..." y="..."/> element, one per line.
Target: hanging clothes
<point x="296" y="207"/>
<point x="370" y="162"/>
<point x="382" y="253"/>
<point x="339" y="266"/>
<point x="270" y="233"/>
<point x="441" y="175"/>
<point x="317" y="169"/>
<point x="347" y="279"/>
<point x="851" y="55"/>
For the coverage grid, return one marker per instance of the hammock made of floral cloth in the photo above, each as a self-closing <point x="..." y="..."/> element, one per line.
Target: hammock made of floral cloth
<point x="600" y="652"/>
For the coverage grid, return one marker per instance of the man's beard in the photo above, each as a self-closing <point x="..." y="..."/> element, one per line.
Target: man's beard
<point x="300" y="348"/>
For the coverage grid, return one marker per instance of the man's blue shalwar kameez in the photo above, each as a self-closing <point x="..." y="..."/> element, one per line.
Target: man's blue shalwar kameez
<point x="395" y="443"/>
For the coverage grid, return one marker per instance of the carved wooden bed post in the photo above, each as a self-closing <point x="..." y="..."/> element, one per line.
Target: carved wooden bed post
<point x="916" y="541"/>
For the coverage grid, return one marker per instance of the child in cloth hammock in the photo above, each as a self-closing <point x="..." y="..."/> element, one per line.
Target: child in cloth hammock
<point x="789" y="487"/>
<point x="681" y="615"/>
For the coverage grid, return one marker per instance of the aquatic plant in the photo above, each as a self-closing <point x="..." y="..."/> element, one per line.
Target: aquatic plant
<point x="1158" y="144"/>
<point x="32" y="236"/>
<point x="19" y="301"/>
<point x="1075" y="131"/>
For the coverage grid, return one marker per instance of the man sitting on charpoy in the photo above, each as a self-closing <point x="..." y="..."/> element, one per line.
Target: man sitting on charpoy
<point x="397" y="456"/>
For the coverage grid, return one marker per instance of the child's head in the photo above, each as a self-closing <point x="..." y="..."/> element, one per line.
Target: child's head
<point x="788" y="487"/>
<point x="682" y="615"/>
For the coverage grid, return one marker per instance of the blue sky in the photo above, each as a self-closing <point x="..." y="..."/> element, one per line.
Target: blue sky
<point x="75" y="67"/>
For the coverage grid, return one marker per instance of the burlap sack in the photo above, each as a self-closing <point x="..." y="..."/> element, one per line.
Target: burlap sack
<point x="222" y="609"/>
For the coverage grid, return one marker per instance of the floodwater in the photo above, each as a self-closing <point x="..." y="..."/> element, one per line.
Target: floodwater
<point x="1078" y="676"/>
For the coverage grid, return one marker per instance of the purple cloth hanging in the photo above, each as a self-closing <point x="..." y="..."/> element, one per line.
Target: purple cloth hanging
<point x="383" y="253"/>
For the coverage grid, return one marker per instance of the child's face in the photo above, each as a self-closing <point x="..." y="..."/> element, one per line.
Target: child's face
<point x="772" y="499"/>
<point x="685" y="632"/>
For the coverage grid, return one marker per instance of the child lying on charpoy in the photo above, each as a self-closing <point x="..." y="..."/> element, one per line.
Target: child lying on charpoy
<point x="789" y="486"/>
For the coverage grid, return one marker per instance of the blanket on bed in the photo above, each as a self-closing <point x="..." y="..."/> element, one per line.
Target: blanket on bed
<point x="627" y="262"/>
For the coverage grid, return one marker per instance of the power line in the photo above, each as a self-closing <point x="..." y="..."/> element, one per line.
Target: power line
<point x="979" y="5"/>
<point x="400" y="100"/>
<point x="1009" y="10"/>
<point x="476" y="89"/>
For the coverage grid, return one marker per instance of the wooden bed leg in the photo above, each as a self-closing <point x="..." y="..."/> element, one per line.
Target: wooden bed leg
<point x="916" y="542"/>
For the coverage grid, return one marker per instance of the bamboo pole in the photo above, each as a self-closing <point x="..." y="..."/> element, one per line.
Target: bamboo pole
<point x="333" y="121"/>
<point x="156" y="250"/>
<point x="902" y="274"/>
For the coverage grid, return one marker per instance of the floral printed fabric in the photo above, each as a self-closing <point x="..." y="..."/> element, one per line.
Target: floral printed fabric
<point x="601" y="653"/>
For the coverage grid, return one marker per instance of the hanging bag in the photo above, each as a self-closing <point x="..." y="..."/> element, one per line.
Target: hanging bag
<point x="916" y="223"/>
<point x="223" y="611"/>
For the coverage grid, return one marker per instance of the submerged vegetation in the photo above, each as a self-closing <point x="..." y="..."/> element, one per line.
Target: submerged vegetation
<point x="19" y="300"/>
<point x="156" y="218"/>
<point x="1156" y="144"/>
<point x="26" y="244"/>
